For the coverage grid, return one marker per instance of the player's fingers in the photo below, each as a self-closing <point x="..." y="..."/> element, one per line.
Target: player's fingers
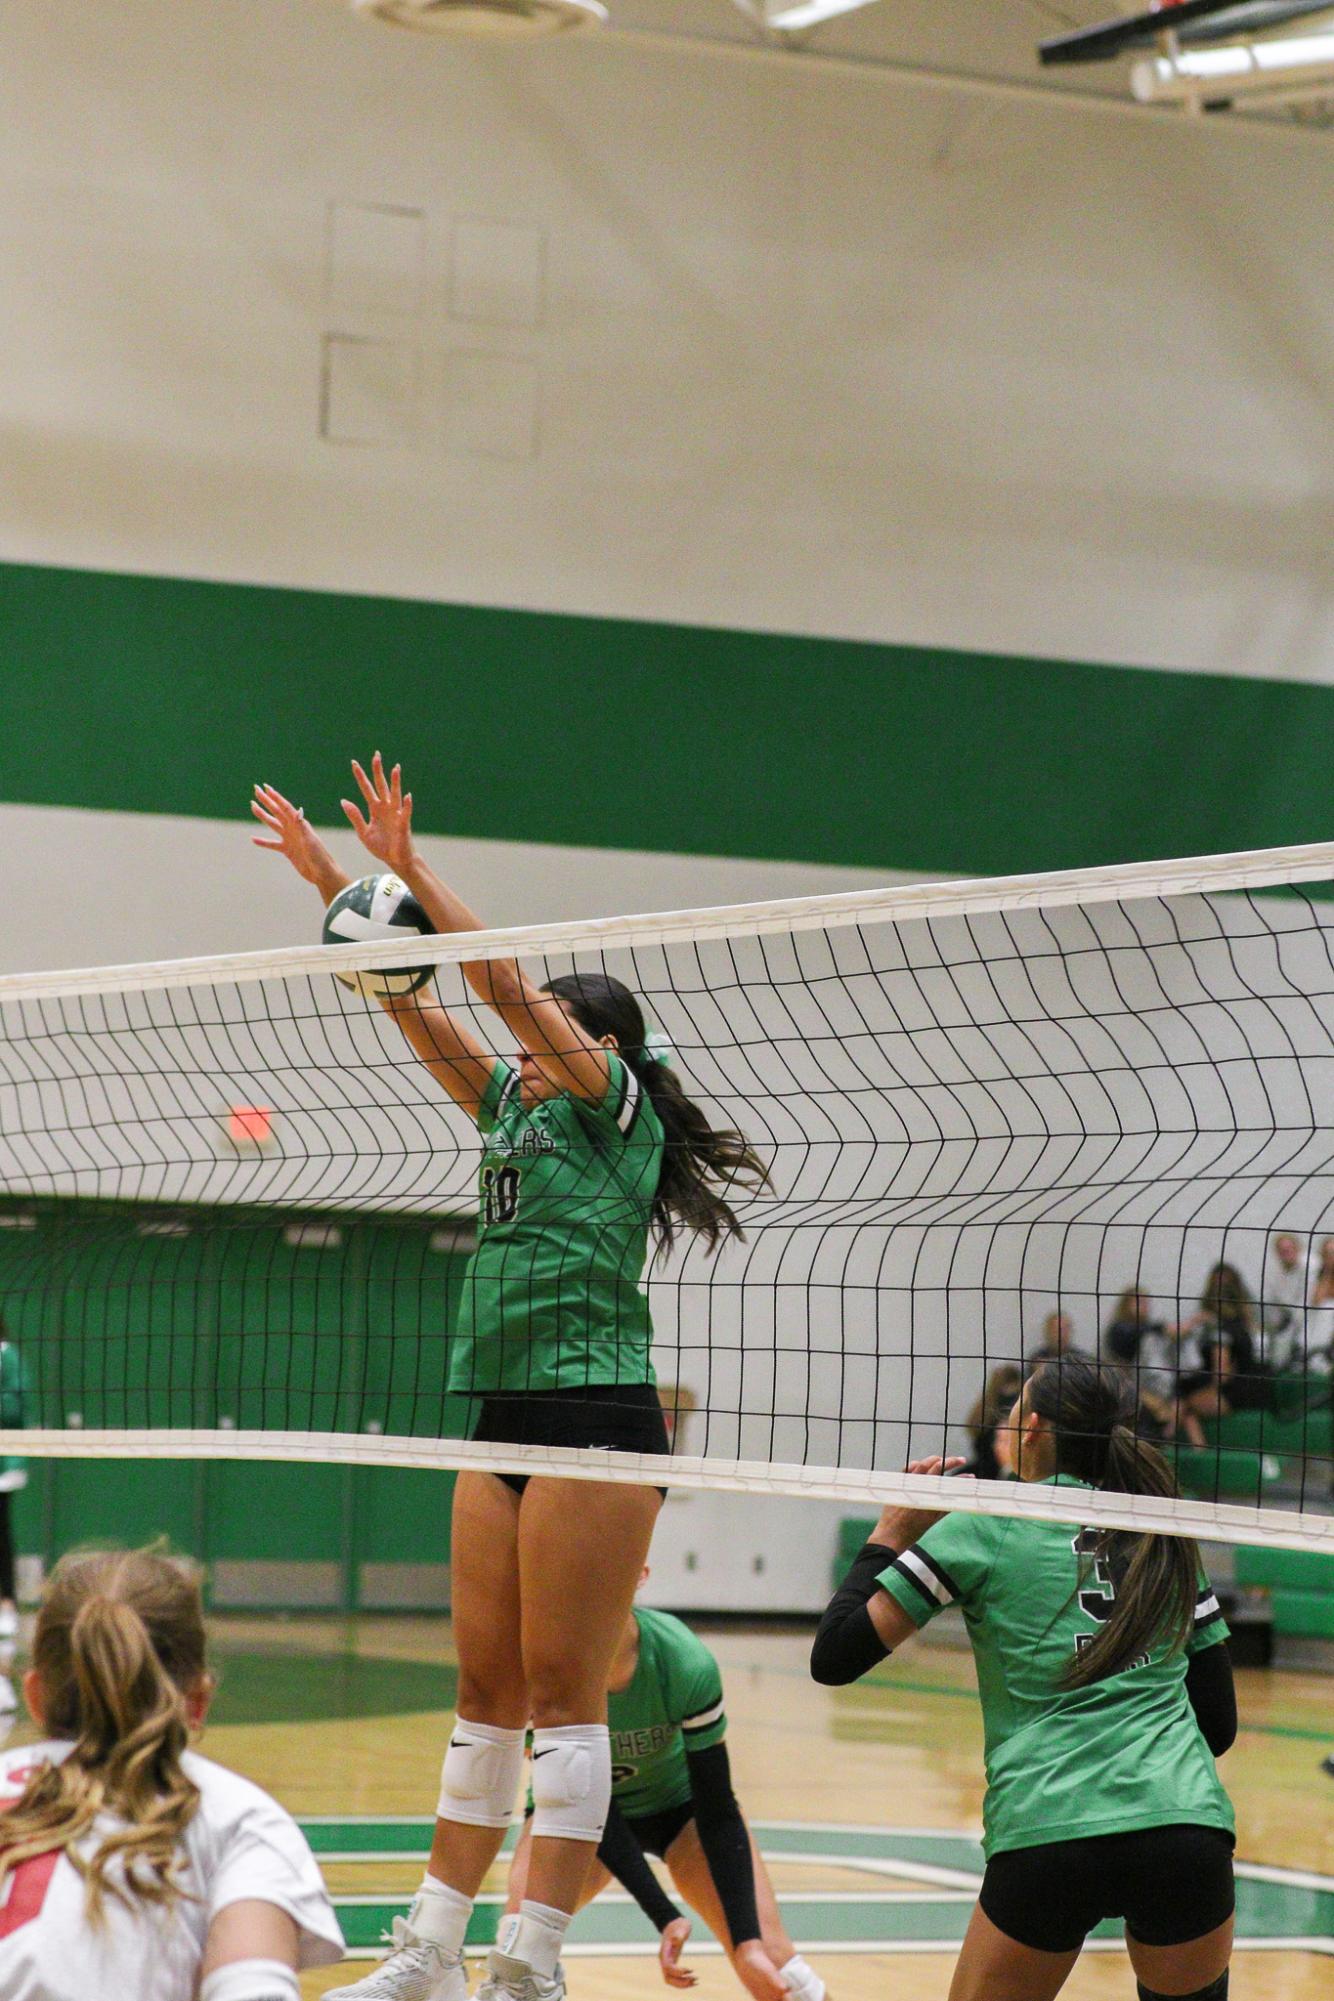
<point x="396" y="785"/>
<point x="381" y="782"/>
<point x="360" y="827"/>
<point x="261" y="843"/>
<point x="368" y="791"/>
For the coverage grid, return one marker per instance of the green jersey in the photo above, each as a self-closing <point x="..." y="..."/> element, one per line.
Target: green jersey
<point x="15" y="1412"/>
<point x="1123" y="1753"/>
<point x="552" y="1297"/>
<point x="673" y="1704"/>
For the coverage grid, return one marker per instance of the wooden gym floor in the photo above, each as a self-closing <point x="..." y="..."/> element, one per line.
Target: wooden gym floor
<point x="872" y="1794"/>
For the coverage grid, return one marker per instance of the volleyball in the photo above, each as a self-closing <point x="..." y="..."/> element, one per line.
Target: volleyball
<point x="372" y="911"/>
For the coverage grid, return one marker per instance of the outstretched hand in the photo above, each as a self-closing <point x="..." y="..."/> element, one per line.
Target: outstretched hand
<point x="670" y="1947"/>
<point x="385" y="829"/>
<point x="289" y="833"/>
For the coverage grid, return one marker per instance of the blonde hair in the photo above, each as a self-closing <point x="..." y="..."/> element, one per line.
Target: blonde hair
<point x="119" y="1645"/>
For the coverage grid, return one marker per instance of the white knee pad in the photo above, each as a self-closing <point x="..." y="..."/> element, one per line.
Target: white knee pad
<point x="251" y="1980"/>
<point x="572" y="1781"/>
<point x="801" y="1980"/>
<point x="479" y="1780"/>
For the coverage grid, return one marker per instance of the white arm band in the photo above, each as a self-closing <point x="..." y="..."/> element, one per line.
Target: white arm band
<point x="251" y="1980"/>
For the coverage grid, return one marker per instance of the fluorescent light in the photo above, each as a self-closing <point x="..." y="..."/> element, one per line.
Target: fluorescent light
<point x="789" y="15"/>
<point x="1237" y="69"/>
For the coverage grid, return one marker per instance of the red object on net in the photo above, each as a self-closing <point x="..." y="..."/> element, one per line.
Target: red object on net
<point x="250" y="1125"/>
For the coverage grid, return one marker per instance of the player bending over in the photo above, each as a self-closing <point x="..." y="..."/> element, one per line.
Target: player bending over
<point x="589" y="1144"/>
<point x="672" y="1797"/>
<point x="1105" y="1695"/>
<point x="130" y="1868"/>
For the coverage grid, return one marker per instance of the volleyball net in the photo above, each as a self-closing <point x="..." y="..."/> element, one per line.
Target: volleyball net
<point x="235" y="1209"/>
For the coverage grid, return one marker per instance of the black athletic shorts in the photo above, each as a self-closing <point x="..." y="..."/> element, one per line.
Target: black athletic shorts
<point x="655" y="1832"/>
<point x="620" y="1417"/>
<point x="1170" y="1884"/>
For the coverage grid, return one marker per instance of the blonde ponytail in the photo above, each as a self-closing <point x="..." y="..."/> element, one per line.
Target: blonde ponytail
<point x="119" y="1645"/>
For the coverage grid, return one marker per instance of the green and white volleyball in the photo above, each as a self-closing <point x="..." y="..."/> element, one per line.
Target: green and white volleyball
<point x="373" y="911"/>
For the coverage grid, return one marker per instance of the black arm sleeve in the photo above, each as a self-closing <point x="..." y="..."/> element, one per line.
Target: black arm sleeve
<point x="619" y="1852"/>
<point x="1213" y="1697"/>
<point x="724" y="1839"/>
<point x="846" y="1643"/>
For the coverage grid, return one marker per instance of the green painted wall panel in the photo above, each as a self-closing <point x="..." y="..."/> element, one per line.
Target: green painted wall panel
<point x="126" y="1312"/>
<point x="128" y="1501"/>
<point x="402" y="1515"/>
<point x="169" y="695"/>
<point x="268" y="1512"/>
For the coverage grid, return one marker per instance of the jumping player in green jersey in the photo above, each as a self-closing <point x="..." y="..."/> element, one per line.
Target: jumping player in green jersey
<point x="1106" y="1698"/>
<point x="591" y="1146"/>
<point x="672" y="1797"/>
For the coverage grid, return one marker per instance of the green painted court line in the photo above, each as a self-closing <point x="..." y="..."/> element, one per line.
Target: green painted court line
<point x="1274" y="1906"/>
<point x="1284" y="1730"/>
<point x="855" y="1921"/>
<point x="606" y="1923"/>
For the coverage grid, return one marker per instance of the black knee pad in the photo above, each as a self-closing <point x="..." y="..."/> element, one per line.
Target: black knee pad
<point x="1215" y="1991"/>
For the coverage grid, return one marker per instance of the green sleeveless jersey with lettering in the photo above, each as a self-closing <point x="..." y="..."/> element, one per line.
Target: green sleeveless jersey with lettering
<point x="552" y="1298"/>
<point x="674" y="1703"/>
<point x="1124" y="1752"/>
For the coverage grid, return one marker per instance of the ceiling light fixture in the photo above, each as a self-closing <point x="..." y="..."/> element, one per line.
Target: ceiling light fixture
<point x="497" y="20"/>
<point x="1272" y="69"/>
<point x="789" y="16"/>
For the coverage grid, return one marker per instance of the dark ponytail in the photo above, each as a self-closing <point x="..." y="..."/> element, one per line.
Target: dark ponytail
<point x="1091" y="1412"/>
<point x="698" y="1159"/>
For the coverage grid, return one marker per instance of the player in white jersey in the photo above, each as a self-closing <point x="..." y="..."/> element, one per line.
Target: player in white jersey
<point x="132" y="1869"/>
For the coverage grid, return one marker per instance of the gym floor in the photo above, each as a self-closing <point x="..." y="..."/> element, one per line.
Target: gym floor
<point x="868" y="1800"/>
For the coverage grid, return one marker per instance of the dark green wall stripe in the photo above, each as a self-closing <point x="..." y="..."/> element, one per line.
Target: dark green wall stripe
<point x="163" y="695"/>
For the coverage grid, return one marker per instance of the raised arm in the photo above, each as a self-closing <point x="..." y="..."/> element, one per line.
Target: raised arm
<point x="567" y="1057"/>
<point x="862" y="1623"/>
<point x="289" y="833"/>
<point x="455" y="1059"/>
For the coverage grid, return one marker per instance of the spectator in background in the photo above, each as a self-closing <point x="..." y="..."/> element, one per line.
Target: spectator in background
<point x="1058" y="1338"/>
<point x="1283" y="1308"/>
<point x="991" y="1461"/>
<point x="1161" y="1361"/>
<point x="1226" y="1326"/>
<point x="1318" y="1322"/>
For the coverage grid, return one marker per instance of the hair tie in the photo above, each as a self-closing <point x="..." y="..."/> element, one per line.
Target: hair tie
<point x="656" y="1048"/>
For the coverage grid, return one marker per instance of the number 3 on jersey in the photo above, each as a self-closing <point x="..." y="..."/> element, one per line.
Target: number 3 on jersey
<point x="500" y="1195"/>
<point x="1096" y="1604"/>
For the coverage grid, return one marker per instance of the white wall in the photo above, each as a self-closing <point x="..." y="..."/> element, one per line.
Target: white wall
<point x="97" y="889"/>
<point x="664" y="335"/>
